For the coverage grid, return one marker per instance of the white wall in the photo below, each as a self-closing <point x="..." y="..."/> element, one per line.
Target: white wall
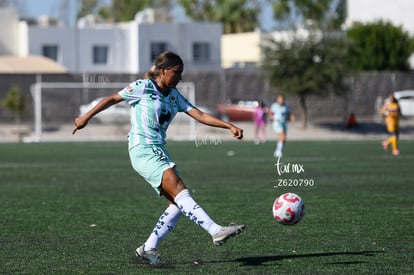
<point x="117" y="41"/>
<point x="9" y="32"/>
<point x="22" y="48"/>
<point x="65" y="38"/>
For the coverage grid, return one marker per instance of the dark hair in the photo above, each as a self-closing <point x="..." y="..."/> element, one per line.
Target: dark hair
<point x="393" y="98"/>
<point x="262" y="103"/>
<point x="165" y="60"/>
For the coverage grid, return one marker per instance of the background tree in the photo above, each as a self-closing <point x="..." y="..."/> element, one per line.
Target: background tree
<point x="125" y="10"/>
<point x="14" y="102"/>
<point x="306" y="66"/>
<point x="324" y="14"/>
<point x="380" y="46"/>
<point x="118" y="11"/>
<point x="86" y="7"/>
<point x="105" y="13"/>
<point x="236" y="15"/>
<point x="121" y="10"/>
<point x="311" y="65"/>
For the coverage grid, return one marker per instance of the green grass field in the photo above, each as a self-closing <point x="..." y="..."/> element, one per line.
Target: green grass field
<point x="79" y="208"/>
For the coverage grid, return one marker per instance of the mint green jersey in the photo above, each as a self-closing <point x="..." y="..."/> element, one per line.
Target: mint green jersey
<point x="151" y="111"/>
<point x="281" y="114"/>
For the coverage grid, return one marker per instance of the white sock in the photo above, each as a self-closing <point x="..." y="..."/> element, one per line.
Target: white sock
<point x="279" y="147"/>
<point x="195" y="213"/>
<point x="165" y="225"/>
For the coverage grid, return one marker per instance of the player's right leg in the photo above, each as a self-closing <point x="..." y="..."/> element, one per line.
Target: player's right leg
<point x="165" y="224"/>
<point x="227" y="232"/>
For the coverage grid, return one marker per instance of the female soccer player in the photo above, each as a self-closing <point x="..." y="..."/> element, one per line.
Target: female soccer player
<point x="260" y="120"/>
<point x="154" y="102"/>
<point x="280" y="114"/>
<point x="391" y="111"/>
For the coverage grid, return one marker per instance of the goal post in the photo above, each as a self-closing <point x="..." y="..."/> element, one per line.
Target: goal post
<point x="56" y="104"/>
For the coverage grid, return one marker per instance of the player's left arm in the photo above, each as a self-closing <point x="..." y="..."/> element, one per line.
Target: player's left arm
<point x="213" y="121"/>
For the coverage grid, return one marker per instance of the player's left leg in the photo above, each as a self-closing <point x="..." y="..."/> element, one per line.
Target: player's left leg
<point x="385" y="144"/>
<point x="394" y="144"/>
<point x="263" y="128"/>
<point x="280" y="144"/>
<point x="256" y="133"/>
<point x="175" y="187"/>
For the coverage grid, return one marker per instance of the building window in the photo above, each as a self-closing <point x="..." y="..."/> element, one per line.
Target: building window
<point x="100" y="54"/>
<point x="157" y="48"/>
<point x="50" y="51"/>
<point x="201" y="52"/>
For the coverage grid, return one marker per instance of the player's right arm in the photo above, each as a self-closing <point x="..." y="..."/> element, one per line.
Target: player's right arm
<point x="383" y="108"/>
<point x="82" y="121"/>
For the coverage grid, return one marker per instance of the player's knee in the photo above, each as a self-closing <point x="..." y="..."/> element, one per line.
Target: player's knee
<point x="172" y="183"/>
<point x="179" y="184"/>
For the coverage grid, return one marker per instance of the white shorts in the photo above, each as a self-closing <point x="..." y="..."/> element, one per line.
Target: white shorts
<point x="150" y="161"/>
<point x="279" y="127"/>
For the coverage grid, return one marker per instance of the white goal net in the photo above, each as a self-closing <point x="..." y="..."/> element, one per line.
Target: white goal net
<point x="56" y="104"/>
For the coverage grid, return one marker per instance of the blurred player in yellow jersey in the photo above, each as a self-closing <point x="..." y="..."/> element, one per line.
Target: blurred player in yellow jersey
<point x="391" y="111"/>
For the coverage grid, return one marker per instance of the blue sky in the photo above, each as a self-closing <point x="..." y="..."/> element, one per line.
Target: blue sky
<point x="64" y="9"/>
<point x="56" y="8"/>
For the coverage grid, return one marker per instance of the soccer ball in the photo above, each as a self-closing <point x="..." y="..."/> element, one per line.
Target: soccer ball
<point x="288" y="209"/>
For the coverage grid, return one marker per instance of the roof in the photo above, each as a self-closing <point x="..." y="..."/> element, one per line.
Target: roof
<point x="29" y="65"/>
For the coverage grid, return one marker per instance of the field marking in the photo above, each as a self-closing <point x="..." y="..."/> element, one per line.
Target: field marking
<point x="27" y="165"/>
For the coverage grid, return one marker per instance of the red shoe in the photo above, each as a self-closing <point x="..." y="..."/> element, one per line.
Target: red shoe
<point x="396" y="152"/>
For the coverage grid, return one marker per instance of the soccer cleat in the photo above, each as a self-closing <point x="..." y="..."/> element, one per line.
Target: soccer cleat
<point x="152" y="256"/>
<point x="385" y="145"/>
<point x="396" y="152"/>
<point x="227" y="232"/>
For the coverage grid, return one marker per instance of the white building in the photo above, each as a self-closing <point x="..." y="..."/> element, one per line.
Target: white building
<point x="127" y="47"/>
<point x="244" y="50"/>
<point x="13" y="34"/>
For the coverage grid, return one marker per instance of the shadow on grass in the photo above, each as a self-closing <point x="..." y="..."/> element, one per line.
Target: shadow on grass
<point x="144" y="264"/>
<point x="361" y="128"/>
<point x="256" y="261"/>
<point x="259" y="260"/>
<point x="347" y="263"/>
<point x="365" y="128"/>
